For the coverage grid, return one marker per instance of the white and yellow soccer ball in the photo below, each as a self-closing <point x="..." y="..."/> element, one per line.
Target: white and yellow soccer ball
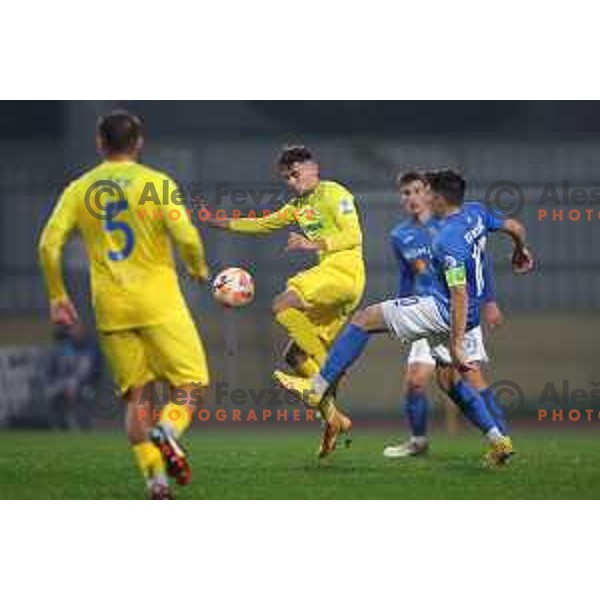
<point x="233" y="287"/>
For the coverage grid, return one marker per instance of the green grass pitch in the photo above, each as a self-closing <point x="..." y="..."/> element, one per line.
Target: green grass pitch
<point x="246" y="463"/>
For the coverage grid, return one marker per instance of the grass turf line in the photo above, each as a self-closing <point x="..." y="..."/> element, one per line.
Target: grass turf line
<point x="282" y="464"/>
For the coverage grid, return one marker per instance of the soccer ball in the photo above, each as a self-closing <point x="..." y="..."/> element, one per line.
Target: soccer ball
<point x="233" y="287"/>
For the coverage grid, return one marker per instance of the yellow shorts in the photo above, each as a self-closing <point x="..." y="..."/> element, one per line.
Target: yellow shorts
<point x="331" y="291"/>
<point x="171" y="351"/>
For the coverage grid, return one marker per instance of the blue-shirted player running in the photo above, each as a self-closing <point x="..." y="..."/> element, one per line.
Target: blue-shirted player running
<point x="411" y="242"/>
<point x="443" y="318"/>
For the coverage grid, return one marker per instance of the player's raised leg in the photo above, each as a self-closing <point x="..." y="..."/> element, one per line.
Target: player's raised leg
<point x="335" y="421"/>
<point x="409" y="318"/>
<point x="289" y="311"/>
<point x="306" y="355"/>
<point x="348" y="347"/>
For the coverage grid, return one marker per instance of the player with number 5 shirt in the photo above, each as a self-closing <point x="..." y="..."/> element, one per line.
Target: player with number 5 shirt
<point x="145" y="328"/>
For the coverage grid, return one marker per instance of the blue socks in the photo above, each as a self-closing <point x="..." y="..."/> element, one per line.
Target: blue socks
<point x="416" y="413"/>
<point x="346" y="349"/>
<point x="496" y="410"/>
<point x="472" y="405"/>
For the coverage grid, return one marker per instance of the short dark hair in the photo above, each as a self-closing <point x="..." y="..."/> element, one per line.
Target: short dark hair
<point x="293" y="154"/>
<point x="449" y="184"/>
<point x="119" y="131"/>
<point x="406" y="177"/>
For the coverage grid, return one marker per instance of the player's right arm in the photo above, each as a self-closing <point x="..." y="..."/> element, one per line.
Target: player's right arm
<point x="459" y="306"/>
<point x="262" y="225"/>
<point x="490" y="311"/>
<point x="56" y="232"/>
<point x="455" y="273"/>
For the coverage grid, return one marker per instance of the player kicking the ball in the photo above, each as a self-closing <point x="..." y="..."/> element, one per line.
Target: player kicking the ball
<point x="411" y="242"/>
<point x="316" y="303"/>
<point x="145" y="328"/>
<point x="443" y="318"/>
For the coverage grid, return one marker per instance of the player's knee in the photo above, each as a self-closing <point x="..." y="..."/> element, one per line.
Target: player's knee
<point x="367" y="318"/>
<point x="284" y="301"/>
<point x="361" y="318"/>
<point x="416" y="384"/>
<point x="281" y="302"/>
<point x="475" y="377"/>
<point x="278" y="304"/>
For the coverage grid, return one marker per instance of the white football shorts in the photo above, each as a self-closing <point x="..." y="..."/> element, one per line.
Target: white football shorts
<point x="421" y="352"/>
<point x="418" y="321"/>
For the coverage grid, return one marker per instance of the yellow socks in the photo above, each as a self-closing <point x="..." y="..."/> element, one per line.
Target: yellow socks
<point x="303" y="332"/>
<point x="176" y="417"/>
<point x="150" y="462"/>
<point x="309" y="367"/>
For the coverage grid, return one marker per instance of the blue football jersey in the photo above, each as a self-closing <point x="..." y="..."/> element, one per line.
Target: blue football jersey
<point x="461" y="243"/>
<point x="411" y="242"/>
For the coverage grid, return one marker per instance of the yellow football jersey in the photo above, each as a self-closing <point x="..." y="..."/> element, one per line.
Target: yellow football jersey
<point x="328" y="213"/>
<point x="127" y="222"/>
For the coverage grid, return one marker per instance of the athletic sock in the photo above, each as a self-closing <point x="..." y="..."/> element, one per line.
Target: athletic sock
<point x="175" y="417"/>
<point x="303" y="332"/>
<point x="495" y="409"/>
<point x="494" y="434"/>
<point x="472" y="406"/>
<point x="347" y="348"/>
<point x="418" y="439"/>
<point x="416" y="413"/>
<point x="308" y="367"/>
<point x="150" y="463"/>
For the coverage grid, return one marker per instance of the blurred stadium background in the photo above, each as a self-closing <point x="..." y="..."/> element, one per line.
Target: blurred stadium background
<point x="551" y="317"/>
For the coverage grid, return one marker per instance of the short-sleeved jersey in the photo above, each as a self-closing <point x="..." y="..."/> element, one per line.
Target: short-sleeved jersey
<point x="328" y="213"/>
<point x="411" y="242"/>
<point x="127" y="222"/>
<point x="459" y="257"/>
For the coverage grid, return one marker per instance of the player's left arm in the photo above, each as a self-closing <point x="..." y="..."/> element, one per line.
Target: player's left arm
<point x="349" y="234"/>
<point x="522" y="259"/>
<point x="491" y="313"/>
<point x="56" y="232"/>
